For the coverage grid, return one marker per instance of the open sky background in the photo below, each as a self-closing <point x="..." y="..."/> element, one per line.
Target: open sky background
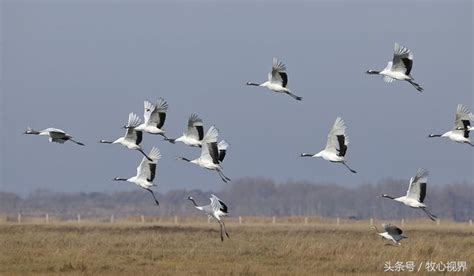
<point x="82" y="66"/>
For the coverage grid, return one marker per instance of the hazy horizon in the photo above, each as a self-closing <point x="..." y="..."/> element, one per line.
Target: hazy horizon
<point x="83" y="66"/>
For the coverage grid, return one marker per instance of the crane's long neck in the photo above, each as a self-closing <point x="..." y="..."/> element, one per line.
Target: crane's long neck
<point x="194" y="202"/>
<point x="253" y="83"/>
<point x="105" y="142"/>
<point x="373" y="72"/>
<point x="120" y="179"/>
<point x="184" y="158"/>
<point x="307" y="154"/>
<point x="32" y="131"/>
<point x="435" y="135"/>
<point x="387" y="196"/>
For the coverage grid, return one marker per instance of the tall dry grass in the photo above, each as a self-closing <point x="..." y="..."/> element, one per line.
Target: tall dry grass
<point x="257" y="247"/>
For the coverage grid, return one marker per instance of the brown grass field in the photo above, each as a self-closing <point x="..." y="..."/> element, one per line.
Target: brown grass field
<point x="256" y="247"/>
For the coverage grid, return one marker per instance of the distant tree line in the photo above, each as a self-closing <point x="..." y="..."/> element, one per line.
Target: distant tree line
<point x="253" y="197"/>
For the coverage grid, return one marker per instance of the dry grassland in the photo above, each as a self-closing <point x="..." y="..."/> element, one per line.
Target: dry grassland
<point x="256" y="247"/>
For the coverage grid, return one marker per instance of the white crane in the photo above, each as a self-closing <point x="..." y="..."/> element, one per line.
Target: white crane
<point x="132" y="138"/>
<point x="216" y="210"/>
<point x="416" y="193"/>
<point x="391" y="233"/>
<point x="277" y="80"/>
<point x="194" y="134"/>
<point x="399" y="68"/>
<point x="146" y="173"/>
<point x="154" y="118"/>
<point x="336" y="146"/>
<point x="462" y="127"/>
<point x="55" y="135"/>
<point x="210" y="158"/>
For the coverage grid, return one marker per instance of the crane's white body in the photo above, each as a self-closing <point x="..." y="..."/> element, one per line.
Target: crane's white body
<point x="127" y="143"/>
<point x="329" y="155"/>
<point x="189" y="141"/>
<point x="410" y="202"/>
<point x="274" y="86"/>
<point x="393" y="75"/>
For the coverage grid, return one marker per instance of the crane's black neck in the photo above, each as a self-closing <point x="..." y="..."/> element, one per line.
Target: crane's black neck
<point x="32" y="131"/>
<point x="372" y="72"/>
<point x="184" y="158"/>
<point x="434" y="135"/>
<point x="387" y="196"/>
<point x="105" y="142"/>
<point x="194" y="202"/>
<point x="253" y="83"/>
<point x="120" y="179"/>
<point x="307" y="155"/>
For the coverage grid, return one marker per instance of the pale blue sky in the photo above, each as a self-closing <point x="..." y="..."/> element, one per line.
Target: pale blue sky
<point x="82" y="66"/>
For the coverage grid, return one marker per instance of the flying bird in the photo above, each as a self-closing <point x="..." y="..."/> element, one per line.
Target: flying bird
<point x="154" y="116"/>
<point x="416" y="193"/>
<point x="146" y="173"/>
<point x="336" y="146"/>
<point x="462" y="127"/>
<point x="210" y="155"/>
<point x="216" y="210"/>
<point x="132" y="138"/>
<point x="391" y="233"/>
<point x="277" y="80"/>
<point x="194" y="133"/>
<point x="399" y="68"/>
<point x="55" y="135"/>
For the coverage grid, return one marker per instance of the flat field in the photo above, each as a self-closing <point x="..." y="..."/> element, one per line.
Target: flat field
<point x="256" y="247"/>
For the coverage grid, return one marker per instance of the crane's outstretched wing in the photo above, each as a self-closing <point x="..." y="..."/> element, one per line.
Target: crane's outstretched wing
<point x="222" y="147"/>
<point x="392" y="229"/>
<point x="195" y="127"/>
<point x="132" y="134"/>
<point x="147" y="169"/>
<point x="417" y="188"/>
<point x="210" y="137"/>
<point x="148" y="108"/>
<point x="339" y="128"/>
<point x="402" y="59"/>
<point x="218" y="204"/>
<point x="158" y="115"/>
<point x="278" y="74"/>
<point x="462" y="122"/>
